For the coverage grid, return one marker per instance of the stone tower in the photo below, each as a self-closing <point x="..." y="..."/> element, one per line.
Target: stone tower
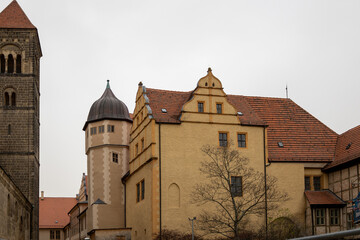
<point x="20" y="54"/>
<point x="107" y="136"/>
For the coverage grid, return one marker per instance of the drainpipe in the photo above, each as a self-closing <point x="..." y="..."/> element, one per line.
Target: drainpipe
<point x="266" y="212"/>
<point x="160" y="177"/>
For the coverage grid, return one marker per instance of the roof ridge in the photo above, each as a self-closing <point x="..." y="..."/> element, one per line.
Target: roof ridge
<point x="350" y="130"/>
<point x="164" y="90"/>
<point x="259" y="97"/>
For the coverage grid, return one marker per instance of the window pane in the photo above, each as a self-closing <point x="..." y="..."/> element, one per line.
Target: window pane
<point x="242" y="140"/>
<point x="307" y="183"/>
<point x="200" y="107"/>
<point x="219" y="108"/>
<point x="317" y="183"/>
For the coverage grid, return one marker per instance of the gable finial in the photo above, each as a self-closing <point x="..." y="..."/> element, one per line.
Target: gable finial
<point x="108" y="84"/>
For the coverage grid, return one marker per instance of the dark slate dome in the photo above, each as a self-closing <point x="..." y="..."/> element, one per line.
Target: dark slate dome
<point x="108" y="107"/>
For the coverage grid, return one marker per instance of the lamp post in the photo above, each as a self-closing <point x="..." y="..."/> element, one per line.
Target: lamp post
<point x="192" y="227"/>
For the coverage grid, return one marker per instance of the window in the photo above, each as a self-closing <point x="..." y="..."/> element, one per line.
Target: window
<point x="57" y="234"/>
<point x="101" y="129"/>
<point x="136" y="149"/>
<point x="307" y="184"/>
<point x="52" y="234"/>
<point x="2" y="63"/>
<point x="18" y="63"/>
<point x="13" y="99"/>
<point x="142" y="144"/>
<point x="223" y="139"/>
<point x="115" y="157"/>
<point x="10" y="64"/>
<point x="219" y="108"/>
<point x="110" y="128"/>
<point x="241" y="137"/>
<point x="7" y="99"/>
<point x="317" y="185"/>
<point x="9" y="129"/>
<point x="92" y="130"/>
<point x="349" y="220"/>
<point x="236" y="186"/>
<point x="140" y="191"/>
<point x="334" y="216"/>
<point x="320" y="216"/>
<point x="200" y="107"/>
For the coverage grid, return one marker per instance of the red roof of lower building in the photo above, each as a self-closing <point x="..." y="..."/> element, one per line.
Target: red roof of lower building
<point x="347" y="148"/>
<point x="324" y="197"/>
<point x="14" y="17"/>
<point x="53" y="211"/>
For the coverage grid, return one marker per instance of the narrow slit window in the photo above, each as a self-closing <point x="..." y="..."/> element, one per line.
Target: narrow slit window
<point x="9" y="129"/>
<point x="7" y="99"/>
<point x="115" y="157"/>
<point x="142" y="189"/>
<point x="138" y="192"/>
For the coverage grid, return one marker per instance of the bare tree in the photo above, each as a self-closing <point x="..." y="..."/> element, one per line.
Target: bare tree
<point x="234" y="190"/>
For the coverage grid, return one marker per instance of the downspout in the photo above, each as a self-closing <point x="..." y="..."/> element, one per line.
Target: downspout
<point x="312" y="221"/>
<point x="79" y="222"/>
<point x="266" y="212"/>
<point x="160" y="177"/>
<point x="124" y="204"/>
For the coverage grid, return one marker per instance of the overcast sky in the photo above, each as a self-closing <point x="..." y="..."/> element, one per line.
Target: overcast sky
<point x="255" y="48"/>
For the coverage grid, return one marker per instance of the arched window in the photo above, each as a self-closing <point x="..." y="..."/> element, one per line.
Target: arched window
<point x="2" y="63"/>
<point x="10" y="64"/>
<point x="13" y="99"/>
<point x="7" y="99"/>
<point x="18" y="63"/>
<point x="174" y="196"/>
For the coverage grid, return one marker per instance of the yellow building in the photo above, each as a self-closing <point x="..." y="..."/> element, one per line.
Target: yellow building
<point x="142" y="168"/>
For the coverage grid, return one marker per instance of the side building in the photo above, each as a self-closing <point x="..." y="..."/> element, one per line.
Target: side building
<point x="20" y="54"/>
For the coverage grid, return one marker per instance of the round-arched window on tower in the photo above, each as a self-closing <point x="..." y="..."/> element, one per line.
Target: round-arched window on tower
<point x="18" y="63"/>
<point x="7" y="99"/>
<point x="2" y="63"/>
<point x="10" y="64"/>
<point x="13" y="99"/>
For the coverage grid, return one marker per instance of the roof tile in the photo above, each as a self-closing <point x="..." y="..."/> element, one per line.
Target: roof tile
<point x="324" y="197"/>
<point x="14" y="17"/>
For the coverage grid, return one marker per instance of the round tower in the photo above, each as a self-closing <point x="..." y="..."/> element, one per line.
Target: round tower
<point x="107" y="136"/>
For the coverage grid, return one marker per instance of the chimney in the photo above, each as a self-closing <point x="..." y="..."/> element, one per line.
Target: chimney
<point x="42" y="195"/>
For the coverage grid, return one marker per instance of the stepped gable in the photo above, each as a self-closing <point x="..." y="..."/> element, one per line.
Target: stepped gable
<point x="304" y="137"/>
<point x="347" y="148"/>
<point x="14" y="17"/>
<point x="53" y="211"/>
<point x="172" y="101"/>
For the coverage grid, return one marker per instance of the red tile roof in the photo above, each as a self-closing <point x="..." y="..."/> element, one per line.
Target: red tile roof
<point x="14" y="17"/>
<point x="347" y="147"/>
<point x="324" y="197"/>
<point x="53" y="211"/>
<point x="304" y="137"/>
<point x="172" y="101"/>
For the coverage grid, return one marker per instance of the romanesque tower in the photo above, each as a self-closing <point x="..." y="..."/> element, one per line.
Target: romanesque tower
<point x="20" y="54"/>
<point x="107" y="135"/>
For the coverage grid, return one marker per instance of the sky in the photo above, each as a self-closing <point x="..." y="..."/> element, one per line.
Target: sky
<point x="255" y="48"/>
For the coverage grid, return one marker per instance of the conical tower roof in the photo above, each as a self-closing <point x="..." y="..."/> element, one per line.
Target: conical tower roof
<point x="108" y="107"/>
<point x="14" y="17"/>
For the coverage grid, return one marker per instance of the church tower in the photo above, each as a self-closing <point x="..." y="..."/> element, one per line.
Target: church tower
<point x="20" y="54"/>
<point x="107" y="136"/>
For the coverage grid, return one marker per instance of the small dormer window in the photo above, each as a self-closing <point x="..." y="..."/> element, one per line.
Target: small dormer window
<point x="163" y="110"/>
<point x="348" y="146"/>
<point x="240" y="113"/>
<point x="206" y="84"/>
<point x="280" y="144"/>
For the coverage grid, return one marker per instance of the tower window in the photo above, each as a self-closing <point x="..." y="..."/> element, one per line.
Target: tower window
<point x="110" y="128"/>
<point x="101" y="129"/>
<point x="115" y="157"/>
<point x="18" y="63"/>
<point x="142" y="144"/>
<point x="200" y="107"/>
<point x="10" y="64"/>
<point x="2" y="63"/>
<point x="13" y="99"/>
<point x="92" y="130"/>
<point x="7" y="99"/>
<point x="9" y="129"/>
<point x="136" y="149"/>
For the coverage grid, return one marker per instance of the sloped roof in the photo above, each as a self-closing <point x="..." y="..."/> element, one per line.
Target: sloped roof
<point x="53" y="211"/>
<point x="347" y="147"/>
<point x="324" y="197"/>
<point x="172" y="101"/>
<point x="304" y="137"/>
<point x="14" y="17"/>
